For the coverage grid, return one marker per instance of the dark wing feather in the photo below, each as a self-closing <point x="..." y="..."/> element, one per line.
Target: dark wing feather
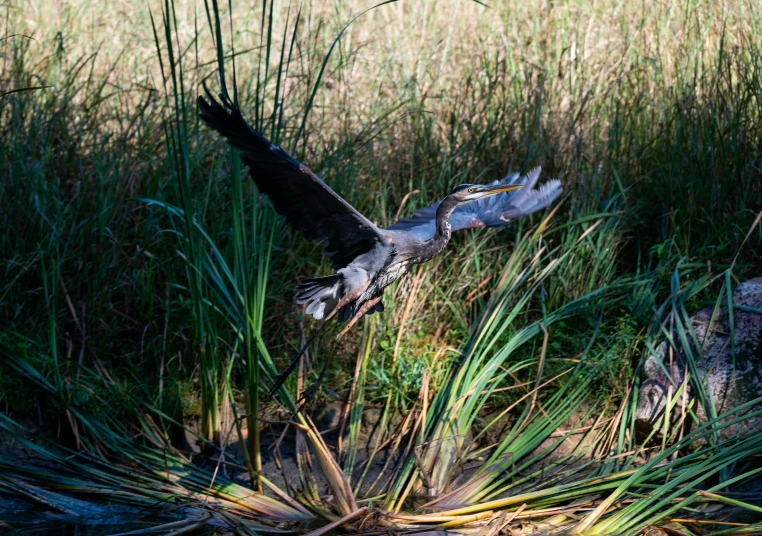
<point x="307" y="203"/>
<point x="492" y="211"/>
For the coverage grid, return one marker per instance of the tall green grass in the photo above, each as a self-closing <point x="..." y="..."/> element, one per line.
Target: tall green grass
<point x="143" y="275"/>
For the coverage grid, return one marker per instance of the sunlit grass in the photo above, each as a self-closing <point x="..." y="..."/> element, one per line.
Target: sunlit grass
<point x="145" y="282"/>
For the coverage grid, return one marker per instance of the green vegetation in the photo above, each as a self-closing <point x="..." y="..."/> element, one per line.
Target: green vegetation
<point x="146" y="288"/>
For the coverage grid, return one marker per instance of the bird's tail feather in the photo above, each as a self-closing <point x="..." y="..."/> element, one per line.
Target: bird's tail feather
<point x="321" y="295"/>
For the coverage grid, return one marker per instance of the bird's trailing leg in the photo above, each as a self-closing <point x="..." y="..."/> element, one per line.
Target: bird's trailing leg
<point x="367" y="306"/>
<point x="281" y="379"/>
<point x="310" y="391"/>
<point x="313" y="388"/>
<point x="347" y="298"/>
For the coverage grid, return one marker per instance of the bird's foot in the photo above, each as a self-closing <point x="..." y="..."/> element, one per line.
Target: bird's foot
<point x="309" y="394"/>
<point x="282" y="377"/>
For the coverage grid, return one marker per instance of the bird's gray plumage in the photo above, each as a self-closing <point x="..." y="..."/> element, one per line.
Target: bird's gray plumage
<point x="493" y="211"/>
<point x="367" y="259"/>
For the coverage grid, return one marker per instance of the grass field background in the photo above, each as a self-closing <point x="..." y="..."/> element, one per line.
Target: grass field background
<point x="648" y="112"/>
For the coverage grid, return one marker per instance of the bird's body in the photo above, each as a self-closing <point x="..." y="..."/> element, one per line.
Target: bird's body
<point x="367" y="259"/>
<point x="359" y="286"/>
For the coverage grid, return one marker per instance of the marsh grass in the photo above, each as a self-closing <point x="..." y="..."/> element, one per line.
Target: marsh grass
<point x="145" y="282"/>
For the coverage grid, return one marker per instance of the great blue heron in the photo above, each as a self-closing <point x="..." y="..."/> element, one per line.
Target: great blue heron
<point x="367" y="259"/>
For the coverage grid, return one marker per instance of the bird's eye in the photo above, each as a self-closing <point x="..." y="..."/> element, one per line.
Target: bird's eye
<point x="471" y="190"/>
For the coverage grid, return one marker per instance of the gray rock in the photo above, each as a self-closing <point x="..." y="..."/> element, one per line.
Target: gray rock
<point x="329" y="416"/>
<point x="729" y="385"/>
<point x="371" y="416"/>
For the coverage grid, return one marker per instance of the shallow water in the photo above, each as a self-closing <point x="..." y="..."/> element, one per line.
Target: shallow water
<point x="51" y="527"/>
<point x="19" y="517"/>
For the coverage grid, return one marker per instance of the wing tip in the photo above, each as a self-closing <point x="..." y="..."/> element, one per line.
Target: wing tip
<point x="532" y="176"/>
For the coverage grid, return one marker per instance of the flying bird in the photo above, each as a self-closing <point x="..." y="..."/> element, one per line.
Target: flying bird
<point x="365" y="257"/>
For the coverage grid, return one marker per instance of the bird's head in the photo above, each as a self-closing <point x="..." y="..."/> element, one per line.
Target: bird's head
<point x="472" y="192"/>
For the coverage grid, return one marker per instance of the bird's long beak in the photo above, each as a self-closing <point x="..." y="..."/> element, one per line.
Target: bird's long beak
<point x="499" y="188"/>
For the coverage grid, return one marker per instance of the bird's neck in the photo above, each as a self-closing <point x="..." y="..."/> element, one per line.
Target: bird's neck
<point x="436" y="243"/>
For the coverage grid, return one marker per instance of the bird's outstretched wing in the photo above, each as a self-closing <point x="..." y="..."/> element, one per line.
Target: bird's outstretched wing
<point x="492" y="211"/>
<point x="307" y="203"/>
